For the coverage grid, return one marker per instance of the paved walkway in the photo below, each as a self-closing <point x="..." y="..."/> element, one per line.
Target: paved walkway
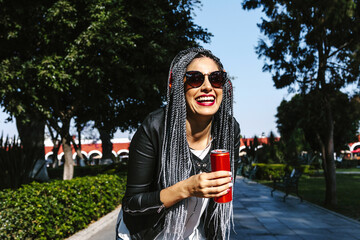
<point x="258" y="216"/>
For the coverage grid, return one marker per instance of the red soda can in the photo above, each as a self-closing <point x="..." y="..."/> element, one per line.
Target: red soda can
<point x="220" y="161"/>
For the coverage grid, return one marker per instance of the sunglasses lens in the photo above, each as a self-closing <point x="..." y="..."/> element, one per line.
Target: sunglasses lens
<point x="194" y="79"/>
<point x="217" y="79"/>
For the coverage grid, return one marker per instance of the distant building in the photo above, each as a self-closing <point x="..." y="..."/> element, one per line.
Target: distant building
<point x="354" y="150"/>
<point x="91" y="149"/>
<point x="261" y="141"/>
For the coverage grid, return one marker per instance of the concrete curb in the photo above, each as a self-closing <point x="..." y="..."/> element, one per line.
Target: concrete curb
<point x="97" y="226"/>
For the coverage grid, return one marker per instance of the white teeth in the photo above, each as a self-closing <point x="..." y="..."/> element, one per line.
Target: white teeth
<point x="204" y="99"/>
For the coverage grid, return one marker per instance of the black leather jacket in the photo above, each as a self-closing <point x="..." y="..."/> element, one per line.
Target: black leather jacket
<point x="142" y="209"/>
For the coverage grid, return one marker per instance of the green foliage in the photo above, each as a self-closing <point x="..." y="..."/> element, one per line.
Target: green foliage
<point x="289" y="150"/>
<point x="272" y="171"/>
<point x="312" y="47"/>
<point x="98" y="60"/>
<point x="273" y="152"/>
<point x="297" y="148"/>
<point x="310" y="44"/>
<point x="347" y="163"/>
<point x="15" y="164"/>
<point x="60" y="57"/>
<point x="304" y="113"/>
<point x="57" y="209"/>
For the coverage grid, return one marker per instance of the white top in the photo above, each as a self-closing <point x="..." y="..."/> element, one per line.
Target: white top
<point x="194" y="230"/>
<point x="196" y="208"/>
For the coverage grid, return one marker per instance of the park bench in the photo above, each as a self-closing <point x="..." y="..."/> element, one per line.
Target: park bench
<point x="288" y="183"/>
<point x="251" y="173"/>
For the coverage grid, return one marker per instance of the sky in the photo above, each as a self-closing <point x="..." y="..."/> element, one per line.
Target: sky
<point x="235" y="37"/>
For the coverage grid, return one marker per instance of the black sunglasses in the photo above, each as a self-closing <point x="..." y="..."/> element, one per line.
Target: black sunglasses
<point x="195" y="78"/>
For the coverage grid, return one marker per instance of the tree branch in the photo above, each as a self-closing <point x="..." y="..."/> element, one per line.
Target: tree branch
<point x="340" y="48"/>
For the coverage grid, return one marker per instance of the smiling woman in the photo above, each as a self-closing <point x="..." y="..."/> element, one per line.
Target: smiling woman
<point x="170" y="187"/>
<point x="203" y="101"/>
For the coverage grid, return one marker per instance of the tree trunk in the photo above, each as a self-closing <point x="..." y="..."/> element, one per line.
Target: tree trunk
<point x="66" y="144"/>
<point x="329" y="170"/>
<point x="32" y="136"/>
<point x="55" y="153"/>
<point x="69" y="162"/>
<point x="330" y="175"/>
<point x="77" y="147"/>
<point x="106" y="146"/>
<point x="81" y="161"/>
<point x="56" y="144"/>
<point x="32" y="139"/>
<point x="78" y="151"/>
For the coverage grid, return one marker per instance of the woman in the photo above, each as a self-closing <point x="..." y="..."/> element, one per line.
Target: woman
<point x="170" y="186"/>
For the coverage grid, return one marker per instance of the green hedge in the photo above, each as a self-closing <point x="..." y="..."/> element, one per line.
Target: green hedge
<point x="58" y="209"/>
<point x="347" y="163"/>
<point x="271" y="171"/>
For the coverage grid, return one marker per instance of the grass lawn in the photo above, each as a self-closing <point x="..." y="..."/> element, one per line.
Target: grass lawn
<point x="348" y="170"/>
<point x="312" y="189"/>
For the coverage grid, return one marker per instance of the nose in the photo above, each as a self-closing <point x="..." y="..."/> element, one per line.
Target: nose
<point x="206" y="86"/>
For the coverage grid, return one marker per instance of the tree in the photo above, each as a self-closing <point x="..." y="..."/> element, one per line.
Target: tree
<point x="312" y="47"/>
<point x="47" y="55"/>
<point x="62" y="59"/>
<point x="305" y="112"/>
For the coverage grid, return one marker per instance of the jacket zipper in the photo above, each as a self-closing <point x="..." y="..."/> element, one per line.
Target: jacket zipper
<point x="160" y="208"/>
<point x="146" y="209"/>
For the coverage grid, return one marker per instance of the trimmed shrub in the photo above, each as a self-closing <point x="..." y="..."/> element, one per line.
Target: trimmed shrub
<point x="58" y="209"/>
<point x="348" y="163"/>
<point x="271" y="171"/>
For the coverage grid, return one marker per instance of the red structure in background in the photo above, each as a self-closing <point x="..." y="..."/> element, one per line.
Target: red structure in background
<point x="260" y="140"/>
<point x="92" y="149"/>
<point x="355" y="146"/>
<point x="354" y="150"/>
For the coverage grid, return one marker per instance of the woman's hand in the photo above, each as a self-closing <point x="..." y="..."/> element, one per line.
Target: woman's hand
<point x="208" y="185"/>
<point x="203" y="185"/>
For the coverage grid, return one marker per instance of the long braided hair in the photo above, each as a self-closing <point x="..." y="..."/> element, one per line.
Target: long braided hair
<point x="176" y="160"/>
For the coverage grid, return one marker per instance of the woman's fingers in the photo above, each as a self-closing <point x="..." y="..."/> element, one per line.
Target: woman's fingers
<point x="214" y="179"/>
<point x="220" y="194"/>
<point x="218" y="174"/>
<point x="219" y="189"/>
<point x="209" y="184"/>
<point x="218" y="182"/>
